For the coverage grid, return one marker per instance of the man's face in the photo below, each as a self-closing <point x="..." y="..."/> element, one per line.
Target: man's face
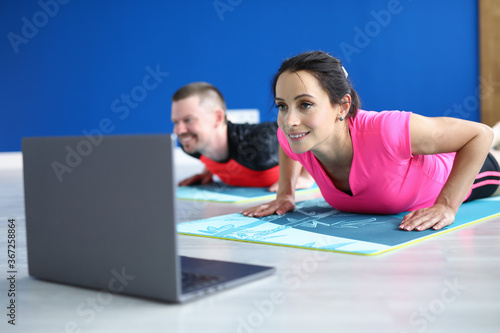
<point x="193" y="124"/>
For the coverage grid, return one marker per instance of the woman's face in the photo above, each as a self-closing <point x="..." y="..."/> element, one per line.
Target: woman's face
<point x="306" y="115"/>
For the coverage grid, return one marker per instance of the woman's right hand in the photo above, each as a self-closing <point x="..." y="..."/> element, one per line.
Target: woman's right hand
<point x="280" y="206"/>
<point x="285" y="198"/>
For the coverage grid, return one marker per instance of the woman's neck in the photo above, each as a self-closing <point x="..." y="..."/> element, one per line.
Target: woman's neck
<point x="336" y="151"/>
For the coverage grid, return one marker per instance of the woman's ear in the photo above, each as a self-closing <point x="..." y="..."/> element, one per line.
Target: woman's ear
<point x="345" y="105"/>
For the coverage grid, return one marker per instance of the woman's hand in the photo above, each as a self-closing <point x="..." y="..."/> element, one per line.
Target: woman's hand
<point x="279" y="206"/>
<point x="435" y="217"/>
<point x="471" y="141"/>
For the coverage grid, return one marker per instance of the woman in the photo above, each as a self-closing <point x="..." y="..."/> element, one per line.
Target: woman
<point x="374" y="162"/>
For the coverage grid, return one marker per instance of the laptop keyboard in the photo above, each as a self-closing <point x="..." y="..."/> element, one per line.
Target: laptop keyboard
<point x="193" y="281"/>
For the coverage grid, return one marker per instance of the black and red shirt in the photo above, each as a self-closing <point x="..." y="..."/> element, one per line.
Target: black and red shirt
<point x="253" y="156"/>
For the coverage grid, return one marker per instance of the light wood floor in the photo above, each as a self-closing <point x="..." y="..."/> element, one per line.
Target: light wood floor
<point x="450" y="283"/>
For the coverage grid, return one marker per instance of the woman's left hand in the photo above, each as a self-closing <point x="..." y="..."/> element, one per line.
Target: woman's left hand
<point x="435" y="217"/>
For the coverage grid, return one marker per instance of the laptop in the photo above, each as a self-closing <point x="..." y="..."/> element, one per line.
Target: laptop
<point x="101" y="214"/>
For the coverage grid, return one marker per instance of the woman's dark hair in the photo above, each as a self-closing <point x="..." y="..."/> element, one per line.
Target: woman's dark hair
<point x="329" y="73"/>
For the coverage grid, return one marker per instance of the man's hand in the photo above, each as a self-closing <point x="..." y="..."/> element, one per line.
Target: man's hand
<point x="200" y="179"/>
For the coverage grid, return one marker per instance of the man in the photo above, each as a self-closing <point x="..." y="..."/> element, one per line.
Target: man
<point x="239" y="154"/>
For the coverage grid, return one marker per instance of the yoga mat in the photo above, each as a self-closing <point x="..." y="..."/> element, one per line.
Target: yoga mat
<point x="220" y="192"/>
<point x="315" y="225"/>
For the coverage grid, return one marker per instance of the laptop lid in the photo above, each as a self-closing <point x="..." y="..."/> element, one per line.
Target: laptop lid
<point x="100" y="213"/>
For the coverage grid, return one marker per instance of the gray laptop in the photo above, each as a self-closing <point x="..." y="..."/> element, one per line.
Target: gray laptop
<point x="100" y="213"/>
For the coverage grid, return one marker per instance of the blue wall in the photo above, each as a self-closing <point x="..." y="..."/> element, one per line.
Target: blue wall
<point x="68" y="66"/>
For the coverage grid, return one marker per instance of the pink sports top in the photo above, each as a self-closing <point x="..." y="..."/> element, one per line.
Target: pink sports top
<point x="385" y="177"/>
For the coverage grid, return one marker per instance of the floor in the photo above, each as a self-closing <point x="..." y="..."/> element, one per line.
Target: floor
<point x="450" y="283"/>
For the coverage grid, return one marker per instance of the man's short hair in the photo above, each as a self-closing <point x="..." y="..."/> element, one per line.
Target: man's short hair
<point x="205" y="91"/>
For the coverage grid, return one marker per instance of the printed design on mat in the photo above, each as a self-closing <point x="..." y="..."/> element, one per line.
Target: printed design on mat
<point x="313" y="215"/>
<point x="316" y="225"/>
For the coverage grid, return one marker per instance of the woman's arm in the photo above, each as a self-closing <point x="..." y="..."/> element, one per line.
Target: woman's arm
<point x="285" y="198"/>
<point x="471" y="141"/>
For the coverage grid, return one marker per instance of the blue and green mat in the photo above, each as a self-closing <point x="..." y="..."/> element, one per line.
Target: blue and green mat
<point x="220" y="192"/>
<point x="317" y="226"/>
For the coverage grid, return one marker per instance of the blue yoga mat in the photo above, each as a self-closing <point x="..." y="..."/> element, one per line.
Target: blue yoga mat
<point x="220" y="192"/>
<point x="316" y="225"/>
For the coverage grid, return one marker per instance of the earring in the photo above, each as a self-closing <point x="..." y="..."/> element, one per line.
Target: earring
<point x="341" y="118"/>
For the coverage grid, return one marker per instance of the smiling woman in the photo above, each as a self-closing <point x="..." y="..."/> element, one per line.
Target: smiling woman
<point x="373" y="162"/>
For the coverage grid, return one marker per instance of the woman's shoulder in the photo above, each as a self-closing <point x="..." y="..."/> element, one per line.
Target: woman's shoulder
<point x="372" y="120"/>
